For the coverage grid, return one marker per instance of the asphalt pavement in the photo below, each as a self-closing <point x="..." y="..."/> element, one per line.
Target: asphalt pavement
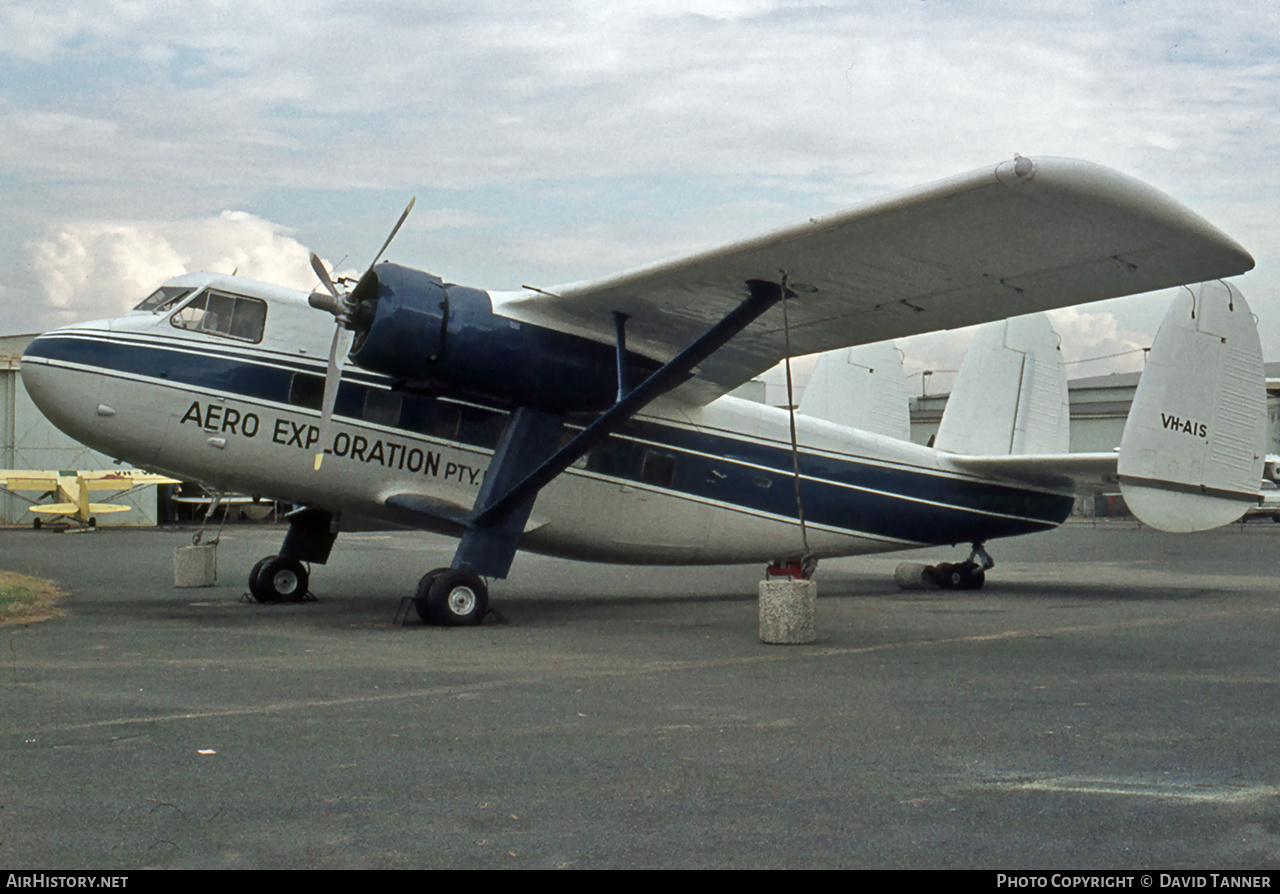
<point x="1109" y="700"/>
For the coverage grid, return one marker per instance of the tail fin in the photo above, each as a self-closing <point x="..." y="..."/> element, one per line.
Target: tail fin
<point x="1194" y="446"/>
<point x="1010" y="396"/>
<point x="861" y="387"/>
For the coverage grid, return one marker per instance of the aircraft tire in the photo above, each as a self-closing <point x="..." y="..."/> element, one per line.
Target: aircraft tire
<point x="282" y="580"/>
<point x="255" y="589"/>
<point x="421" y="599"/>
<point x="455" y="597"/>
<point x="946" y="575"/>
<point x="960" y="576"/>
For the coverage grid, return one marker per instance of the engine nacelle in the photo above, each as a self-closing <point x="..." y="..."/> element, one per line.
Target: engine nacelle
<point x="441" y="338"/>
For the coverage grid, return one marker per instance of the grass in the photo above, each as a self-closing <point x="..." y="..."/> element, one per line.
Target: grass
<point x="25" y="599"/>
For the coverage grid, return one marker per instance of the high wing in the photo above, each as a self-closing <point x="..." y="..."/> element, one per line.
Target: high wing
<point x="122" y="479"/>
<point x="28" y="479"/>
<point x="94" y="479"/>
<point x="1025" y="235"/>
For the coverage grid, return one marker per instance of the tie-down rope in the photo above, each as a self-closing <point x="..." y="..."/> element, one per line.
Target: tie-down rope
<point x="807" y="561"/>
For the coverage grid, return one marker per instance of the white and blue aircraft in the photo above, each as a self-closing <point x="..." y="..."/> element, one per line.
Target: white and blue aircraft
<point x="592" y="420"/>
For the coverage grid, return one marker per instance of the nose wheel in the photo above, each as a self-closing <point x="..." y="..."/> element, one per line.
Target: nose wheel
<point x="452" y="597"/>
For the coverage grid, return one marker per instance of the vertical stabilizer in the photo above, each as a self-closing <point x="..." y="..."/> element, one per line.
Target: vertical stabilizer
<point x="1010" y="396"/>
<point x="1194" y="446"/>
<point x="863" y="388"/>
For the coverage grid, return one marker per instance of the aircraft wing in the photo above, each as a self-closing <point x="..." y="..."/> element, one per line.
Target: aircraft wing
<point x="1022" y="236"/>
<point x="122" y="479"/>
<point x="28" y="479"/>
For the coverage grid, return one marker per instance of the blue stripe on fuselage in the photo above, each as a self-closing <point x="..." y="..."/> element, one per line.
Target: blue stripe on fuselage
<point x="881" y="499"/>
<point x="871" y="481"/>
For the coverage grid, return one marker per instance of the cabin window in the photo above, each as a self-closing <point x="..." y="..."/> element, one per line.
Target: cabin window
<point x="441" y="421"/>
<point x="565" y="437"/>
<point x="164" y="298"/>
<point x="481" y="427"/>
<point x="382" y="407"/>
<point x="614" y="457"/>
<point x="306" y="390"/>
<point x="659" y="468"/>
<point x="221" y="313"/>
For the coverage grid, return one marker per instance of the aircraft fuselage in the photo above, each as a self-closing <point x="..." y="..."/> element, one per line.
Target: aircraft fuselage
<point x="678" y="485"/>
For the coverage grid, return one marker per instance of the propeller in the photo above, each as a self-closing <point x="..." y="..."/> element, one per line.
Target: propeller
<point x="341" y="305"/>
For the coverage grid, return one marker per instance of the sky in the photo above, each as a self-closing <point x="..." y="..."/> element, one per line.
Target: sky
<point x="560" y="141"/>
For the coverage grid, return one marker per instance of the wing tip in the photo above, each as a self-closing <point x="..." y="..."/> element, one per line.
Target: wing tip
<point x="1128" y="194"/>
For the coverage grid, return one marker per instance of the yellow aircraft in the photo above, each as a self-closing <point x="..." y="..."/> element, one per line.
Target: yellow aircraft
<point x="72" y="490"/>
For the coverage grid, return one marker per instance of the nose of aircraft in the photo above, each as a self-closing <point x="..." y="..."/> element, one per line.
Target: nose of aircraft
<point x="60" y="374"/>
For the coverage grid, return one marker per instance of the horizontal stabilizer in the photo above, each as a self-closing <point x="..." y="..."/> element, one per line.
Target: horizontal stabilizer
<point x="73" y="508"/>
<point x="1193" y="449"/>
<point x="862" y="388"/>
<point x="1076" y="472"/>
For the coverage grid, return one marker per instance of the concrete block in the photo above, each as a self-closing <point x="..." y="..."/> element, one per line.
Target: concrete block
<point x="788" y="611"/>
<point x="195" y="566"/>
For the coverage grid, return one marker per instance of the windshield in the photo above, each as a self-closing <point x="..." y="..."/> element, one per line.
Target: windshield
<point x="164" y="298"/>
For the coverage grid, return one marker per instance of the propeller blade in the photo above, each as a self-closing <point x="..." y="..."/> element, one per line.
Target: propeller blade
<point x="394" y="230"/>
<point x="321" y="271"/>
<point x="333" y="378"/>
<point x="334" y="302"/>
<point x="341" y="307"/>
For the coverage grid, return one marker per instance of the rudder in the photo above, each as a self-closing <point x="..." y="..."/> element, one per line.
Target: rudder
<point x="863" y="388"/>
<point x="1194" y="445"/>
<point x="1010" y="397"/>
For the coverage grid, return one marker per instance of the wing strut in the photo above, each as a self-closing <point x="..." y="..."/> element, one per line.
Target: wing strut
<point x="525" y="461"/>
<point x="620" y="327"/>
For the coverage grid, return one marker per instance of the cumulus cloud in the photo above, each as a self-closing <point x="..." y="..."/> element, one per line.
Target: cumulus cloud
<point x="931" y="361"/>
<point x="92" y="269"/>
<point x="1094" y="344"/>
<point x="134" y="112"/>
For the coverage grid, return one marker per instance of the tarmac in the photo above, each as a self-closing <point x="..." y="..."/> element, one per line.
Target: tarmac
<point x="1108" y="701"/>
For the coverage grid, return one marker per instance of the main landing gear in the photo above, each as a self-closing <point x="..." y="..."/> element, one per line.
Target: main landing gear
<point x="452" y="597"/>
<point x="277" y="579"/>
<point x="283" y="577"/>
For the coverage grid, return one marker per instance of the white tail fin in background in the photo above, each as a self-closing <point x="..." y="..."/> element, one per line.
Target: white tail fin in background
<point x="1010" y="397"/>
<point x="863" y="388"/>
<point x="1194" y="446"/>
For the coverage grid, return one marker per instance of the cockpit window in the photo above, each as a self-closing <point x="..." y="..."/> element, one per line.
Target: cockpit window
<point x="164" y="298"/>
<point x="221" y="313"/>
